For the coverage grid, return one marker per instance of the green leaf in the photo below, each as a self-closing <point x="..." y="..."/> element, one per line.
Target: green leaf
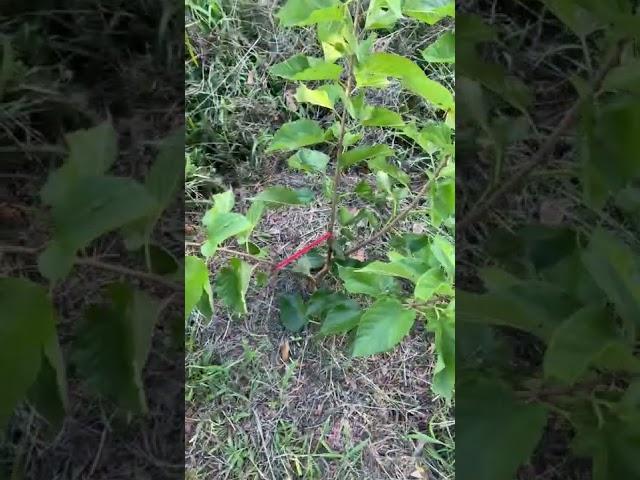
<point x="393" y="269"/>
<point x="336" y="38"/>
<point x="496" y="423"/>
<point x="383" y="14"/>
<point x="161" y="260"/>
<point x="309" y="161"/>
<point x="26" y="327"/>
<point x="614" y="267"/>
<point x="285" y="196"/>
<point x="303" y="68"/>
<point x="574" y="16"/>
<point x="326" y="96"/>
<point x="232" y="284"/>
<point x="384" y="65"/>
<point x="429" y="11"/>
<point x="294" y="135"/>
<point x="293" y="312"/>
<point x="91" y="153"/>
<point x="379" y="164"/>
<point x="323" y="300"/>
<point x="443" y="50"/>
<point x="623" y="78"/>
<point x="308" y="12"/>
<point x="87" y="210"/>
<point x="112" y="344"/>
<point x="444" y="374"/>
<point x="430" y="282"/>
<point x="443" y="198"/>
<point x="163" y="182"/>
<point x="254" y="215"/>
<point x="220" y="227"/>
<point x="382" y="327"/>
<point x="196" y="283"/>
<point x="583" y="339"/>
<point x="364" y="152"/>
<point x="444" y="252"/>
<point x="366" y="283"/>
<point x="342" y="318"/>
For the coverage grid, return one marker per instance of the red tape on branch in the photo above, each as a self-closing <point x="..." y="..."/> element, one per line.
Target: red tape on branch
<point x="302" y="251"/>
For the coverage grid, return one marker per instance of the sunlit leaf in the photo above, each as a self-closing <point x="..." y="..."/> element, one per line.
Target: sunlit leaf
<point x="382" y="327"/>
<point x="301" y="67"/>
<point x="232" y="283"/>
<point x="293" y="135"/>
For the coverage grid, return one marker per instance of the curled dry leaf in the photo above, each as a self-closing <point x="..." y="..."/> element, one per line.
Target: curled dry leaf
<point x="284" y="350"/>
<point x="290" y="101"/>
<point x="360" y="255"/>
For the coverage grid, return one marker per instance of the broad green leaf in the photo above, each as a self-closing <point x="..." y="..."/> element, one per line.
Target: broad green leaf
<point x="323" y="300"/>
<point x="444" y="252"/>
<point x="430" y="282"/>
<point x="326" y="96"/>
<point x="443" y="50"/>
<point x="196" y="283"/>
<point x="336" y="38"/>
<point x="364" y="152"/>
<point x="392" y="269"/>
<point x="220" y="227"/>
<point x="432" y="138"/>
<point x="615" y="268"/>
<point x="161" y="260"/>
<point x="342" y="318"/>
<point x="232" y="283"/>
<point x="382" y="327"/>
<point x="26" y="327"/>
<point x="383" y="14"/>
<point x="112" y="344"/>
<point x="303" y="68"/>
<point x="379" y="164"/>
<point x="580" y="20"/>
<point x="381" y="117"/>
<point x="411" y="75"/>
<point x="285" y="196"/>
<point x="293" y="313"/>
<point x="222" y="203"/>
<point x="254" y="215"/>
<point x="366" y="283"/>
<point x="309" y="161"/>
<point x="500" y="432"/>
<point x="91" y="153"/>
<point x="163" y="182"/>
<point x="582" y="340"/>
<point x="294" y="135"/>
<point x="444" y="375"/>
<point x="623" y="78"/>
<point x="429" y="11"/>
<point x="443" y="198"/>
<point x="87" y="210"/>
<point x="308" y="12"/>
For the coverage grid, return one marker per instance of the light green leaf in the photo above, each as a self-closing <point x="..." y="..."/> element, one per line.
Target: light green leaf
<point x="430" y="282"/>
<point x="220" y="227"/>
<point x="497" y="422"/>
<point x="309" y="161"/>
<point x="443" y="50"/>
<point x="293" y="312"/>
<point x="336" y="39"/>
<point x="366" y="283"/>
<point x="326" y="96"/>
<point x="444" y="374"/>
<point x="294" y="135"/>
<point x="341" y="318"/>
<point x="443" y="198"/>
<point x="196" y="284"/>
<point x="429" y="11"/>
<point x="254" y="215"/>
<point x="444" y="252"/>
<point x="383" y="14"/>
<point x="379" y="164"/>
<point x="364" y="152"/>
<point x="285" y="196"/>
<point x="232" y="284"/>
<point x="26" y="327"/>
<point x="382" y="327"/>
<point x="392" y="269"/>
<point x="303" y="68"/>
<point x="308" y="12"/>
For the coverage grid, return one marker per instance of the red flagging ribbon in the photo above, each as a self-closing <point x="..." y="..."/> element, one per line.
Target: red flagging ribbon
<point x="303" y="250"/>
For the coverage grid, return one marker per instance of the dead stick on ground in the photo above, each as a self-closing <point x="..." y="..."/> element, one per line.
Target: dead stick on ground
<point x="542" y="155"/>
<point x="92" y="262"/>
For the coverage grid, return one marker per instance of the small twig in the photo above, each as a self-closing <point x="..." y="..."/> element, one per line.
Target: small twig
<point x="246" y="255"/>
<point x="92" y="262"/>
<point x="403" y="213"/>
<point x="542" y="155"/>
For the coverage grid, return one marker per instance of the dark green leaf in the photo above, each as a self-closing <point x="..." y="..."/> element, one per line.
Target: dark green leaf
<point x="301" y="67"/>
<point x="342" y="318"/>
<point x="285" y="196"/>
<point x="293" y="313"/>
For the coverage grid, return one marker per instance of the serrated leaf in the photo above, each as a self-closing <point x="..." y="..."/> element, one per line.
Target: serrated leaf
<point x="444" y="374"/>
<point x="112" y="344"/>
<point x="411" y="75"/>
<point x="379" y="164"/>
<point x="383" y="14"/>
<point x="366" y="283"/>
<point x="429" y="11"/>
<point x="430" y="282"/>
<point x="444" y="252"/>
<point x="382" y="327"/>
<point x="303" y="68"/>
<point x="293" y="312"/>
<point x="496" y="422"/>
<point x="443" y="198"/>
<point x="285" y="196"/>
<point x="364" y="152"/>
<point x="326" y="96"/>
<point x="443" y="50"/>
<point x="220" y="227"/>
<point x="392" y="269"/>
<point x="254" y="215"/>
<point x="323" y="300"/>
<point x="615" y="269"/>
<point x="308" y="12"/>
<point x="26" y="328"/>
<point x="294" y="135"/>
<point x="309" y="161"/>
<point x="336" y="38"/>
<point x="196" y="284"/>
<point x="341" y="318"/>
<point x="232" y="283"/>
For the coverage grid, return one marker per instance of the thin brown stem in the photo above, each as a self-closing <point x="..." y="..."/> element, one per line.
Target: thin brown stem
<point x="542" y="155"/>
<point x="93" y="262"/>
<point x="403" y="213"/>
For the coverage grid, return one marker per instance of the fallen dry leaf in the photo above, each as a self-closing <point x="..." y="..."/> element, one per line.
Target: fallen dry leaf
<point x="11" y="215"/>
<point x="284" y="351"/>
<point x="360" y="255"/>
<point x="420" y="473"/>
<point x="251" y="78"/>
<point x="290" y="101"/>
<point x="552" y="212"/>
<point x="418" y="228"/>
